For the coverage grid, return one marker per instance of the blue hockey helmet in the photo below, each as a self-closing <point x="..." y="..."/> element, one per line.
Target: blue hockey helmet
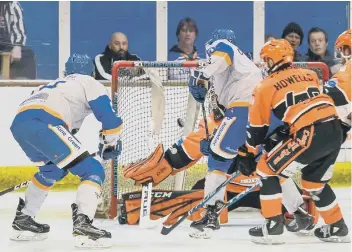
<point x="227" y="34"/>
<point x="79" y="64"/>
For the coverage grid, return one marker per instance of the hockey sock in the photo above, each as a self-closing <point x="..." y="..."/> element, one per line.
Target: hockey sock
<point x="212" y="181"/>
<point x="88" y="194"/>
<point x="34" y="198"/>
<point x="292" y="198"/>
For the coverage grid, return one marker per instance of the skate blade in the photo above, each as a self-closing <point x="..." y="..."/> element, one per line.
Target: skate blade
<point x="268" y="240"/>
<point x="27" y="236"/>
<point x="337" y="239"/>
<point x="205" y="234"/>
<point x="303" y="233"/>
<point x="85" y="242"/>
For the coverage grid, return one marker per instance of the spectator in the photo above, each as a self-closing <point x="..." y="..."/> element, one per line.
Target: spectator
<point x="115" y="51"/>
<point x="318" y="44"/>
<point x="294" y="35"/>
<point x="13" y="39"/>
<point x="186" y="34"/>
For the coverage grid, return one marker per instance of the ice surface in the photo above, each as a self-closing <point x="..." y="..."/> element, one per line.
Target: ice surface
<point x="232" y="237"/>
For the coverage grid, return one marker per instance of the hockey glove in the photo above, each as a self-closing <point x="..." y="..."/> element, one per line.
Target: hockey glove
<point x="275" y="137"/>
<point x="244" y="161"/>
<point x="198" y="86"/>
<point x="110" y="145"/>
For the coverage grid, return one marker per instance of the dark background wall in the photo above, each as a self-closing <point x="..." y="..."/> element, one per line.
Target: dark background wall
<point x="93" y="22"/>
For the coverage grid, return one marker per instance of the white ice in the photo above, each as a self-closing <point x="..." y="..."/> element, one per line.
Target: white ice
<point x="231" y="237"/>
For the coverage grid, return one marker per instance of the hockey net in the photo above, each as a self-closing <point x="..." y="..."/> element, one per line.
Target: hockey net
<point x="154" y="103"/>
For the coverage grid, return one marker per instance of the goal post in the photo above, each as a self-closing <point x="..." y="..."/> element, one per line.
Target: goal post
<point x="151" y="97"/>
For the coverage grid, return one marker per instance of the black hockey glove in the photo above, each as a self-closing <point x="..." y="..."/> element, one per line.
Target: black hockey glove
<point x="244" y="161"/>
<point x="276" y="136"/>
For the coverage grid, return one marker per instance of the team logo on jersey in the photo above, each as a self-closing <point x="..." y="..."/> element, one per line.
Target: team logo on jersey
<point x="331" y="83"/>
<point x="173" y="150"/>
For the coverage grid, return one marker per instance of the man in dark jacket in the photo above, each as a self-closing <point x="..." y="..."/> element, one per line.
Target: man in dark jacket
<point x="318" y="49"/>
<point x="13" y="39"/>
<point x="115" y="51"/>
<point x="293" y="33"/>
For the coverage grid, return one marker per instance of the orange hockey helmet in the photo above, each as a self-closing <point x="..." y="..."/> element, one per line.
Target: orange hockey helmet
<point x="343" y="44"/>
<point x="276" y="53"/>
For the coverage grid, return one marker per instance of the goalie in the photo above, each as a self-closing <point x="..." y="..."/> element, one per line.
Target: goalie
<point x="185" y="153"/>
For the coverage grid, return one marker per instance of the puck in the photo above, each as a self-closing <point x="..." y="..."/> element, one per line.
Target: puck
<point x="180" y="122"/>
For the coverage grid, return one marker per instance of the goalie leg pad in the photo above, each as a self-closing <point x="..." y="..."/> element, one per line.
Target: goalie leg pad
<point x="154" y="168"/>
<point x="163" y="203"/>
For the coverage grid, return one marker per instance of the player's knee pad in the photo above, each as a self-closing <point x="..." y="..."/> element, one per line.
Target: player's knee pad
<point x="89" y="169"/>
<point x="48" y="175"/>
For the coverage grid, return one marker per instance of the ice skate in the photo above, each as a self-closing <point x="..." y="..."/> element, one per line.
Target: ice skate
<point x="270" y="232"/>
<point x="210" y="222"/>
<point x="336" y="232"/>
<point x="25" y="228"/>
<point x="301" y="223"/>
<point x="86" y="235"/>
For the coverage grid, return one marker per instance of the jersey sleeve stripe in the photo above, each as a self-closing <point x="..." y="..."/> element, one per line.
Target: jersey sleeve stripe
<point x="113" y="131"/>
<point x="223" y="55"/>
<point x="226" y="49"/>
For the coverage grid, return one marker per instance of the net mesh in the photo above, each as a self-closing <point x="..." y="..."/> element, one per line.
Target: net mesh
<point x="133" y="102"/>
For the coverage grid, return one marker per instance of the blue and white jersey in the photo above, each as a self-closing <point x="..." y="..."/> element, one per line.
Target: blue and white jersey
<point x="233" y="74"/>
<point x="72" y="99"/>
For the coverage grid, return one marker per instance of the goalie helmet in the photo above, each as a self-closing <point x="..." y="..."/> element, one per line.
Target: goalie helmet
<point x="276" y="53"/>
<point x="343" y="44"/>
<point x="79" y="64"/>
<point x="227" y="34"/>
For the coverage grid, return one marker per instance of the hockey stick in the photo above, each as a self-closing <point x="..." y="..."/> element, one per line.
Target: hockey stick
<point x="166" y="230"/>
<point x="205" y="122"/>
<point x="158" y="114"/>
<point x="240" y="196"/>
<point x="14" y="188"/>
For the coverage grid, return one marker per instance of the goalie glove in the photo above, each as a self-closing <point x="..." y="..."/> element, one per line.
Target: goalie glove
<point x="198" y="86"/>
<point x="110" y="145"/>
<point x="154" y="168"/>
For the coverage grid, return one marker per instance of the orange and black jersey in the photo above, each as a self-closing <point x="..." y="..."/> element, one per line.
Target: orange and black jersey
<point x="295" y="98"/>
<point x="339" y="87"/>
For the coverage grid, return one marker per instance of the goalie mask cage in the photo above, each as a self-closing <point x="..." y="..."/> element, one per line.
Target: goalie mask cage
<point x="151" y="98"/>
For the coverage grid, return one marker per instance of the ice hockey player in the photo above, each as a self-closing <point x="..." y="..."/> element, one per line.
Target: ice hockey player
<point x="339" y="86"/>
<point x="42" y="128"/>
<point x="314" y="141"/>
